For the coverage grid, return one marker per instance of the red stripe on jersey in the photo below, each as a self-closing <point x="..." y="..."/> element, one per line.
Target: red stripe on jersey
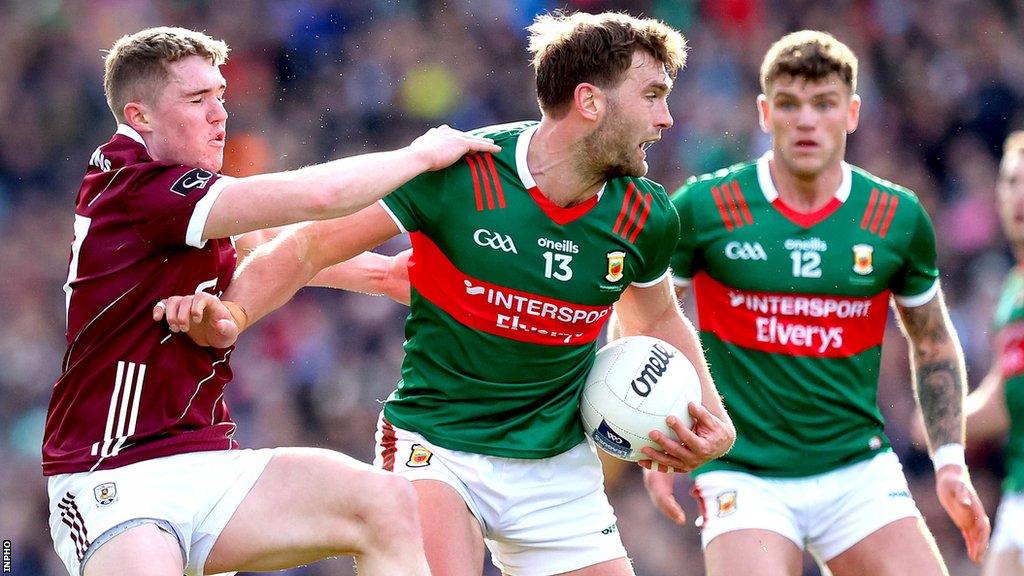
<point x="388" y="439"/>
<point x="496" y="179"/>
<point x="743" y="202"/>
<point x="733" y="210"/>
<point x="721" y="209"/>
<point x="638" y="200"/>
<point x="888" y="215"/>
<point x="476" y="184"/>
<point x="625" y="207"/>
<point x="499" y="310"/>
<point x="1010" y="350"/>
<point x="879" y="211"/>
<point x="558" y="214"/>
<point x="820" y="325"/>
<point x="486" y="180"/>
<point x="807" y="219"/>
<point x="648" y="201"/>
<point x="871" y="208"/>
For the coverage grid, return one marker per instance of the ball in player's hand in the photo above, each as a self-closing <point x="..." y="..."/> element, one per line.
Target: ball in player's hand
<point x="634" y="385"/>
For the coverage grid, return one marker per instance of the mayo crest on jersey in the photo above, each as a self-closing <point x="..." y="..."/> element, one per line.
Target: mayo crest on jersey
<point x="792" y="309"/>
<point x="510" y="293"/>
<point x="1009" y="329"/>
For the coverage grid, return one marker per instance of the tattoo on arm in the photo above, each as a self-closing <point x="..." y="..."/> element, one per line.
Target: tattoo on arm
<point x="939" y="376"/>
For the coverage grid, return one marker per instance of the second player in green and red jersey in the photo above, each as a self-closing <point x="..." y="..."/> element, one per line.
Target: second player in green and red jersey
<point x="510" y="293"/>
<point x="792" y="309"/>
<point x="1009" y="329"/>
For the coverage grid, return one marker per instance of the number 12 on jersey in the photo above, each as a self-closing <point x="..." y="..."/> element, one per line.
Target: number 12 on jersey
<point x="806" y="264"/>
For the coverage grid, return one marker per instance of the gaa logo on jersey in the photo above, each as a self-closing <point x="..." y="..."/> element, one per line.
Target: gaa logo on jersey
<point x="495" y="240"/>
<point x="105" y="493"/>
<point x="419" y="457"/>
<point x="745" y="251"/>
<point x="862" y="259"/>
<point x="616" y="264"/>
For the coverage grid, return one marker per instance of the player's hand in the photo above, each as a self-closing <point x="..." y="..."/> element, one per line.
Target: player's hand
<point x="396" y="282"/>
<point x="659" y="489"/>
<point x="709" y="438"/>
<point x="205" y="318"/>
<point x="442" y="146"/>
<point x="958" y="497"/>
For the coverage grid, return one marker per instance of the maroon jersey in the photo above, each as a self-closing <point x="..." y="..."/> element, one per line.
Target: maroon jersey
<point x="130" y="390"/>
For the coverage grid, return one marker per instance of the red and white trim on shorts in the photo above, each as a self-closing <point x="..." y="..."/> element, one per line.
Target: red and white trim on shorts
<point x="71" y="517"/>
<point x="388" y="445"/>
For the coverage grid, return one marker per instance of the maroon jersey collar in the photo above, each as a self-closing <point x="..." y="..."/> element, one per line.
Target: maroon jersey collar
<point x="126" y="130"/>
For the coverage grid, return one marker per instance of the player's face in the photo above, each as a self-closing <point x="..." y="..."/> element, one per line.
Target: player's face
<point x="1010" y="194"/>
<point x="635" y="115"/>
<point x="188" y="119"/>
<point x="808" y="122"/>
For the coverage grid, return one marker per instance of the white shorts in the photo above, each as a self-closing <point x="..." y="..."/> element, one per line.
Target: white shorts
<point x="828" y="513"/>
<point x="539" y="517"/>
<point x="1008" y="535"/>
<point x="190" y="496"/>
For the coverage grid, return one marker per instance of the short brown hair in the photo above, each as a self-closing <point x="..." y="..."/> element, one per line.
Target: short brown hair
<point x="597" y="48"/>
<point x="811" y="55"/>
<point x="135" y="68"/>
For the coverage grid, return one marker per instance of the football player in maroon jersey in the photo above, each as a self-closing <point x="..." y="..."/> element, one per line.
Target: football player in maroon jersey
<point x="144" y="475"/>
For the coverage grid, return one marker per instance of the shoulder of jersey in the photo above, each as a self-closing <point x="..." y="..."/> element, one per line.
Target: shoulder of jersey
<point x="500" y="132"/>
<point x="705" y="182"/>
<point x="874" y="182"/>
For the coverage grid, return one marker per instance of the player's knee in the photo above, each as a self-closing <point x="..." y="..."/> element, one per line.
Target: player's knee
<point x="394" y="512"/>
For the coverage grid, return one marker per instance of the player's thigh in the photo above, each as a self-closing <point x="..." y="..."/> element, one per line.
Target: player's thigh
<point x="142" y="550"/>
<point x="850" y="504"/>
<point x="897" y="549"/>
<point x="451" y="533"/>
<point x="309" y="504"/>
<point x="1006" y="547"/>
<point x="752" y="552"/>
<point x="616" y="567"/>
<point x="748" y="525"/>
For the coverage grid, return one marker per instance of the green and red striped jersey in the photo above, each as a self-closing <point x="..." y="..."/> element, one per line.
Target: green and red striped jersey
<point x="1009" y="329"/>
<point x="792" y="308"/>
<point x="510" y="293"/>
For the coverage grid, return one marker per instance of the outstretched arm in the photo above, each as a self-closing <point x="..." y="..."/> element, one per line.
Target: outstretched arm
<point x="333" y="189"/>
<point x="985" y="408"/>
<point x="940" y="384"/>
<point x="277" y="269"/>
<point x="273" y="273"/>
<point x="370" y="273"/>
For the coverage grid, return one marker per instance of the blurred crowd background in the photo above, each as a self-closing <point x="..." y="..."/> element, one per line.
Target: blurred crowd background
<point x="942" y="83"/>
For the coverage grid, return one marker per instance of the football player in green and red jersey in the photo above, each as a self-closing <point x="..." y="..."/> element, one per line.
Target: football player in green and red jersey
<point x="517" y="260"/>
<point x="997" y="406"/>
<point x="793" y="259"/>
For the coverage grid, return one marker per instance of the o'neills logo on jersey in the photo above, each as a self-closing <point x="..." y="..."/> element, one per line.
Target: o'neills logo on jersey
<point x="500" y="310"/>
<point x="567" y="246"/>
<point x="792" y="324"/>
